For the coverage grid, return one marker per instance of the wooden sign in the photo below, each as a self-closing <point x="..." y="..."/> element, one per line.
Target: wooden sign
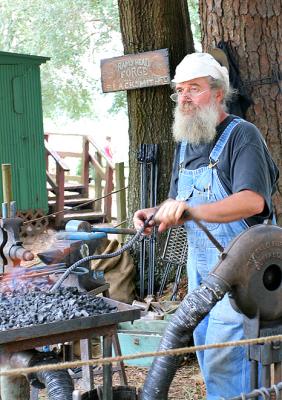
<point x="135" y="71"/>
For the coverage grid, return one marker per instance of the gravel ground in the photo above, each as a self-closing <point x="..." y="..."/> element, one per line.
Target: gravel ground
<point x="187" y="384"/>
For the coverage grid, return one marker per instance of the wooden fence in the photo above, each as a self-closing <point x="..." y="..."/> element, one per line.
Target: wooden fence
<point x="108" y="176"/>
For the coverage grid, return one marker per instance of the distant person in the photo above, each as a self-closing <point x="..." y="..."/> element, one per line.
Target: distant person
<point x="108" y="147"/>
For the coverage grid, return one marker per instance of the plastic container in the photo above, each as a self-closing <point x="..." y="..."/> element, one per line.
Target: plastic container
<point x="119" y="393"/>
<point x="139" y="337"/>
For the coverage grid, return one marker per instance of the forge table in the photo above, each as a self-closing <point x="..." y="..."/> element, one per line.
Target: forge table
<point x="104" y="326"/>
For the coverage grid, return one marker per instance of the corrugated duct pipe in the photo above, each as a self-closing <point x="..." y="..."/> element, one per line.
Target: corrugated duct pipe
<point x="251" y="269"/>
<point x="192" y="310"/>
<point x="58" y="384"/>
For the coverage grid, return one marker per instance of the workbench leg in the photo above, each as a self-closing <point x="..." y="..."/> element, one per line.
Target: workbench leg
<point x="254" y="374"/>
<point x="116" y="344"/>
<point x="67" y="349"/>
<point x="107" y="369"/>
<point x="278" y="376"/>
<point x="87" y="370"/>
<point x="121" y="372"/>
<point x="34" y="393"/>
<point x="265" y="371"/>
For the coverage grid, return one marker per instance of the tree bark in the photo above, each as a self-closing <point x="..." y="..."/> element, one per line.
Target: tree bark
<point x="148" y="25"/>
<point x="253" y="30"/>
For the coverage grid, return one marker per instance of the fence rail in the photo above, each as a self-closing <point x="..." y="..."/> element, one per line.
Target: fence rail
<point x="108" y="176"/>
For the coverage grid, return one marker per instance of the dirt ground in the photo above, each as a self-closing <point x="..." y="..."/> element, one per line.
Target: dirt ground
<point x="187" y="384"/>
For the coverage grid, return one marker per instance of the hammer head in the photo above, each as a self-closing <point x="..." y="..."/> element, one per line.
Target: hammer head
<point x="78" y="226"/>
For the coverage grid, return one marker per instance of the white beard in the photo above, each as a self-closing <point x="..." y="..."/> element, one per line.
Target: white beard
<point x="197" y="128"/>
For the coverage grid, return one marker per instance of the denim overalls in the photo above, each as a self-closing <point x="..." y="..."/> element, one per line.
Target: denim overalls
<point x="226" y="371"/>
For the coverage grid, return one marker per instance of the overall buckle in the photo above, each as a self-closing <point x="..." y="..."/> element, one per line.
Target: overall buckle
<point x="212" y="163"/>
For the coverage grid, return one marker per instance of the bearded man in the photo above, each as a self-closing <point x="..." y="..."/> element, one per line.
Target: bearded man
<point x="223" y="175"/>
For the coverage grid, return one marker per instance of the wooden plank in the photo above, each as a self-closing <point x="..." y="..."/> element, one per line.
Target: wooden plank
<point x="109" y="185"/>
<point x="60" y="178"/>
<point x="107" y="369"/>
<point x="89" y="216"/>
<point x="56" y="156"/>
<point x="98" y="167"/>
<point x="98" y="187"/>
<point x="53" y="338"/>
<point x="135" y="71"/>
<point x="51" y="181"/>
<point x="85" y="166"/>
<point x="87" y="370"/>
<point x="117" y="348"/>
<point x="73" y="154"/>
<point x="100" y="151"/>
<point x="120" y="197"/>
<point x="73" y="201"/>
<point x="74" y="188"/>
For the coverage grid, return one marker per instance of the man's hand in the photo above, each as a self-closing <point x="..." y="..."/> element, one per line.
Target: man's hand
<point x="171" y="213"/>
<point x="140" y="217"/>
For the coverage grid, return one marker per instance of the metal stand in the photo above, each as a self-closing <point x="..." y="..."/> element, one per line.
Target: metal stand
<point x="266" y="361"/>
<point x="174" y="256"/>
<point x="147" y="157"/>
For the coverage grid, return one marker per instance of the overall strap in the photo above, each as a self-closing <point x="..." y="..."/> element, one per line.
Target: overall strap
<point x="219" y="146"/>
<point x="182" y="153"/>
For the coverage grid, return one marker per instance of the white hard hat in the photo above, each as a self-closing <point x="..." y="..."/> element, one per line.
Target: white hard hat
<point x="198" y="65"/>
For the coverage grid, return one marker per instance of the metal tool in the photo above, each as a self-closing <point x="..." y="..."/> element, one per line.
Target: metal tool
<point x="11" y="249"/>
<point x="143" y="203"/>
<point x="174" y="256"/>
<point x="80" y="235"/>
<point x="152" y="159"/>
<point x="84" y="226"/>
<point x="215" y="242"/>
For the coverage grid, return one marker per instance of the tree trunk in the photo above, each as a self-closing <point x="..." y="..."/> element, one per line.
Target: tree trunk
<point x="148" y="25"/>
<point x="253" y="30"/>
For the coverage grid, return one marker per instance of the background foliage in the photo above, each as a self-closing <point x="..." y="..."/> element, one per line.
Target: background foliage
<point x="75" y="34"/>
<point x="72" y="33"/>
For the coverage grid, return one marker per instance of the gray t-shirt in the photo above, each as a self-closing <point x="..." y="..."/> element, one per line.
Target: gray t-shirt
<point x="245" y="164"/>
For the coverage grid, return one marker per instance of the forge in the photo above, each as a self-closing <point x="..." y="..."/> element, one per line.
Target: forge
<point x="35" y="316"/>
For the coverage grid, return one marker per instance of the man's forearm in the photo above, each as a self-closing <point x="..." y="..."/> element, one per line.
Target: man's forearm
<point x="233" y="208"/>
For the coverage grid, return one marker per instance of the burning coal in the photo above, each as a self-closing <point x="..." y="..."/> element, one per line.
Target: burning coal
<point x="21" y="280"/>
<point x="20" y="310"/>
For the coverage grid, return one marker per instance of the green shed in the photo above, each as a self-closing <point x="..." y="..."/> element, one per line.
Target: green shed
<point x="21" y="129"/>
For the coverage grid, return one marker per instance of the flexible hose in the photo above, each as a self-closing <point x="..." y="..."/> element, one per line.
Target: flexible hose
<point x="127" y="246"/>
<point x="191" y="311"/>
<point x="59" y="384"/>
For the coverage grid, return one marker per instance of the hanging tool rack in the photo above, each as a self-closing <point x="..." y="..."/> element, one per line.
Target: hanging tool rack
<point x="147" y="158"/>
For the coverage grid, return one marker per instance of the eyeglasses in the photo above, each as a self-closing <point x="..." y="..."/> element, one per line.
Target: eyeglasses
<point x="192" y="93"/>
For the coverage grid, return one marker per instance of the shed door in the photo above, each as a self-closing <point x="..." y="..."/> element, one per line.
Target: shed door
<point x="21" y="134"/>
